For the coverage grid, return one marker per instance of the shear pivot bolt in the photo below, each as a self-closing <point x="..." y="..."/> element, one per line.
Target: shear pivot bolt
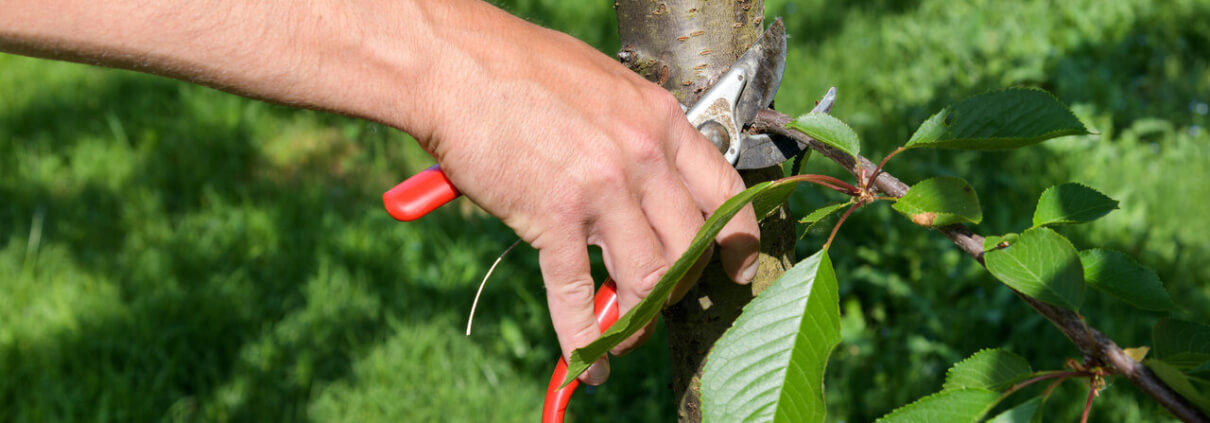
<point x="717" y="134"/>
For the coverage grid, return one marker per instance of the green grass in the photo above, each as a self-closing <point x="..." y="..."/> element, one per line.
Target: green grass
<point x="169" y="252"/>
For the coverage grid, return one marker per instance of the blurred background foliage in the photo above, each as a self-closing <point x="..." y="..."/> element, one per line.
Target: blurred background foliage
<point x="169" y="252"/>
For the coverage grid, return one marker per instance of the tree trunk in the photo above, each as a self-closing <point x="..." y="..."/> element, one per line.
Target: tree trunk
<point x="684" y="45"/>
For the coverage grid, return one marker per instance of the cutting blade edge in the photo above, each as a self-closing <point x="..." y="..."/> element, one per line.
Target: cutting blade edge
<point x="765" y="63"/>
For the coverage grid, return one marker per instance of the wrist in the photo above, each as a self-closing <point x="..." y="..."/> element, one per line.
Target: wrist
<point x="370" y="59"/>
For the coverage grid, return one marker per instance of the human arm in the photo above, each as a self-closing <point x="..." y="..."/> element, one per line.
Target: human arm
<point x="562" y="143"/>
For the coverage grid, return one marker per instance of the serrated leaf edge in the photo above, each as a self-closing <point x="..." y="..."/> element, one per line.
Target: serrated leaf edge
<point x="919" y="401"/>
<point x="1116" y="205"/>
<point x="827" y="353"/>
<point x="949" y="372"/>
<point x="1171" y="304"/>
<point x="915" y="212"/>
<point x="807" y="130"/>
<point x="1025" y="140"/>
<point x="1072" y="307"/>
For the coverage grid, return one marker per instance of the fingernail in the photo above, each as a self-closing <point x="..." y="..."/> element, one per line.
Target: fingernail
<point x="750" y="272"/>
<point x="597" y="373"/>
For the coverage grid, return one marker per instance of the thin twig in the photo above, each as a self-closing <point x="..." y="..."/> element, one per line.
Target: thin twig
<point x="1092" y="343"/>
<point x="471" y="318"/>
<point x="1061" y="375"/>
<point x="1050" y="389"/>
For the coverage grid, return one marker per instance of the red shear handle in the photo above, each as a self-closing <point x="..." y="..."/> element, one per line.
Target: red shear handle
<point x="419" y="195"/>
<point x="606" y="305"/>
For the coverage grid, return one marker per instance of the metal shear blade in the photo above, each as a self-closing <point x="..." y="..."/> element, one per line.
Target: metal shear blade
<point x="761" y="150"/>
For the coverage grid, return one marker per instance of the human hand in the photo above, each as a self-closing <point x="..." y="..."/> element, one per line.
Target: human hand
<point x="564" y="144"/>
<point x="569" y="148"/>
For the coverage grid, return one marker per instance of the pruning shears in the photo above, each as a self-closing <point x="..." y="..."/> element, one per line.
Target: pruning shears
<point x="720" y="115"/>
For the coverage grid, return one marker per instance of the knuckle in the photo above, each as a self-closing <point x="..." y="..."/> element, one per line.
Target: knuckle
<point x="652" y="271"/>
<point x="644" y="142"/>
<point x="646" y="149"/>
<point x="554" y="221"/>
<point x="666" y="102"/>
<point x="727" y="183"/>
<point x="584" y="336"/>
<point x="574" y="292"/>
<point x="604" y="175"/>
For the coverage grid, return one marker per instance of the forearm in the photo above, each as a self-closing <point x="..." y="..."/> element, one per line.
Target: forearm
<point x="561" y="142"/>
<point x="362" y="58"/>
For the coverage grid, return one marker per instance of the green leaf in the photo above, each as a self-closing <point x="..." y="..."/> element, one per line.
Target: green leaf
<point x="770" y="199"/>
<point x="998" y="120"/>
<point x="1180" y="343"/>
<point x="930" y="130"/>
<point x="972" y="388"/>
<point x="769" y="366"/>
<point x="939" y="202"/>
<point x="993" y="242"/>
<point x="991" y="369"/>
<point x="966" y="405"/>
<point x="651" y="305"/>
<point x="828" y="130"/>
<point x="823" y="212"/>
<point x="1041" y="264"/>
<point x="1026" y="412"/>
<point x="1120" y="276"/>
<point x="1071" y="203"/>
<point x="819" y="215"/>
<point x="1180" y="383"/>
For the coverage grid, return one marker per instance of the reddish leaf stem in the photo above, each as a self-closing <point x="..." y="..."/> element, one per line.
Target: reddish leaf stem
<point x="1061" y="375"/>
<point x="825" y="181"/>
<point x="1092" y="393"/>
<point x="878" y="169"/>
<point x="836" y="228"/>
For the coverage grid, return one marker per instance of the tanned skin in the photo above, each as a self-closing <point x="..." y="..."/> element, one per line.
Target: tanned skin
<point x="564" y="144"/>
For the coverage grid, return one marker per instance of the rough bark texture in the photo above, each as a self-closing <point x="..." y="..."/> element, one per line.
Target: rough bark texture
<point x="684" y="45"/>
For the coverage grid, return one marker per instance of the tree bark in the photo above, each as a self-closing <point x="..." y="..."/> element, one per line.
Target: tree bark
<point x="684" y="45"/>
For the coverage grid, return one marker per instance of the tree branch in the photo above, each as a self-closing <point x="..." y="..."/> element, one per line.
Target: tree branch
<point x="1093" y="345"/>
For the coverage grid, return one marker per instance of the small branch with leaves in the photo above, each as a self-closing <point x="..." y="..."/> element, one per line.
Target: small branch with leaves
<point x="1053" y="301"/>
<point x="781" y="342"/>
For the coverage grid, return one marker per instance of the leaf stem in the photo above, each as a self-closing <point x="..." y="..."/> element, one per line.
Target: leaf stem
<point x="840" y="222"/>
<point x="1051" y="388"/>
<point x="1092" y="393"/>
<point x="1062" y="375"/>
<point x="878" y="169"/>
<point x="825" y="181"/>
